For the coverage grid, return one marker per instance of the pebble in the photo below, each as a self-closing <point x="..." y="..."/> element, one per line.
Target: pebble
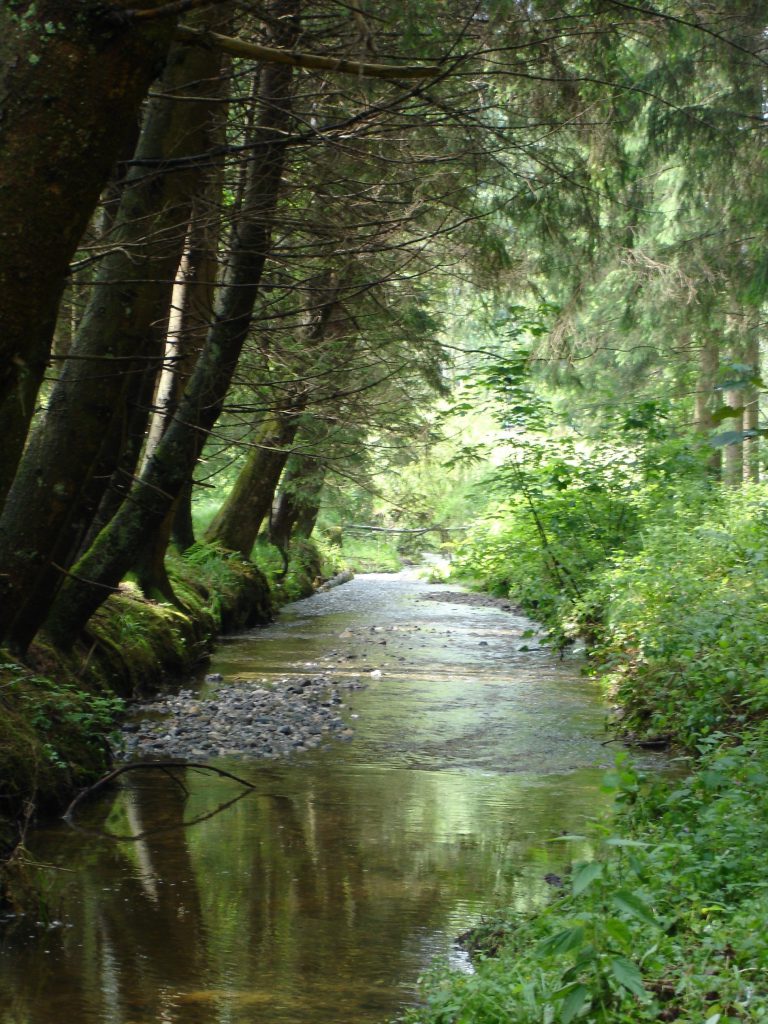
<point x="244" y="718"/>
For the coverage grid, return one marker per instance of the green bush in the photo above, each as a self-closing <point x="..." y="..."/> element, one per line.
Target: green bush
<point x="666" y="923"/>
<point x="685" y="620"/>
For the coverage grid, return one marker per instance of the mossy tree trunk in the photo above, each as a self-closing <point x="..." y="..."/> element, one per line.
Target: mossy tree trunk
<point x="172" y="464"/>
<point x="79" y="443"/>
<point x="237" y="523"/>
<point x="72" y="81"/>
<point x="298" y="503"/>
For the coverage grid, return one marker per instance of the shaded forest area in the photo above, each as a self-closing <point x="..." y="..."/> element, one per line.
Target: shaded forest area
<point x="275" y="273"/>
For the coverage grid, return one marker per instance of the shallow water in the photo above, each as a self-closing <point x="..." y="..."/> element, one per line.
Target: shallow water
<point x="321" y="896"/>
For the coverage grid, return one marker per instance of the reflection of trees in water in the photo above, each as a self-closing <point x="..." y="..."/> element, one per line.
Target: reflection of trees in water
<point x="315" y="896"/>
<point x="312" y="897"/>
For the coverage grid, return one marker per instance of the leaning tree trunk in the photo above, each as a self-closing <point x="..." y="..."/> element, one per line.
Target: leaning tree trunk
<point x="298" y="502"/>
<point x="120" y="334"/>
<point x="237" y="523"/>
<point x="194" y="298"/>
<point x="172" y="464"/>
<point x="72" y="81"/>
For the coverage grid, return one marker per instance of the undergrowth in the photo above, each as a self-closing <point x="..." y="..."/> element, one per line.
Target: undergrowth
<point x="667" y="923"/>
<point x="365" y="554"/>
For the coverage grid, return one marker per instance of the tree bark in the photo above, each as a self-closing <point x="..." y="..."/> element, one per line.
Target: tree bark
<point x="172" y="464"/>
<point x="733" y="455"/>
<point x="706" y="397"/>
<point x="298" y="502"/>
<point x="74" y="76"/>
<point x="121" y="333"/>
<point x="752" y="412"/>
<point x="237" y="523"/>
<point x="194" y="300"/>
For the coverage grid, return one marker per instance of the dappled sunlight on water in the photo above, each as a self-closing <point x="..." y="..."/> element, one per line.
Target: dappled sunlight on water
<point x="321" y="895"/>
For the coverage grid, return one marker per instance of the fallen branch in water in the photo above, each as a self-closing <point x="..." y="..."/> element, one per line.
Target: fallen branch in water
<point x="165" y="767"/>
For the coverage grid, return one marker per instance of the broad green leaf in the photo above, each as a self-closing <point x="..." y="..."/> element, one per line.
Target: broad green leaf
<point x="726" y="412"/>
<point x="728" y="437"/>
<point x="563" y="942"/>
<point x="618" y="841"/>
<point x="566" y="839"/>
<point x="627" y="975"/>
<point x="585" y="875"/>
<point x="618" y="930"/>
<point x="634" y="905"/>
<point x="574" y="1002"/>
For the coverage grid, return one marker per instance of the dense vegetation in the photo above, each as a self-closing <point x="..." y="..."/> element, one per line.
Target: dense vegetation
<point x="281" y="280"/>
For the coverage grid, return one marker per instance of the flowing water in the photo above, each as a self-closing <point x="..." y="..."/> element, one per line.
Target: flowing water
<point x="322" y="895"/>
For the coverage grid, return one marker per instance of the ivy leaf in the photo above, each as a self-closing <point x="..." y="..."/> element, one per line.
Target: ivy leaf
<point x="726" y="412"/>
<point x="729" y="437"/>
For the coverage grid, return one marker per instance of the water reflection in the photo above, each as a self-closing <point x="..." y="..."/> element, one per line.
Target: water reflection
<point x="321" y="895"/>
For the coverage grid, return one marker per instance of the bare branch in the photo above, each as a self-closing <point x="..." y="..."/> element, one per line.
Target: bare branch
<point x="274" y="55"/>
<point x="170" y="10"/>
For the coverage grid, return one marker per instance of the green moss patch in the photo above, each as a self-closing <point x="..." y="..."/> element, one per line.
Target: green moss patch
<point x="58" y="709"/>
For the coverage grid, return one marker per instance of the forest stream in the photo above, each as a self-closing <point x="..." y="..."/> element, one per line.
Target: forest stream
<point x="322" y="895"/>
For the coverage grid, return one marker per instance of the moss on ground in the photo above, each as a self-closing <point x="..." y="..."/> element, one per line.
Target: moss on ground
<point x="57" y="709"/>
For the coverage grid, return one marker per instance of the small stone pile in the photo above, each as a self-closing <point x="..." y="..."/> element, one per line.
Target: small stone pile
<point x="472" y="598"/>
<point x="242" y="719"/>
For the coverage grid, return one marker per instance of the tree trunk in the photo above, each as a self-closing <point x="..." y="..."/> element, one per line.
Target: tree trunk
<point x="72" y="82"/>
<point x="193" y="298"/>
<point x="173" y="462"/>
<point x="236" y="525"/>
<point x="706" y="397"/>
<point x="752" y="411"/>
<point x="183" y="528"/>
<point x="298" y="502"/>
<point x="733" y="455"/>
<point x="120" y="334"/>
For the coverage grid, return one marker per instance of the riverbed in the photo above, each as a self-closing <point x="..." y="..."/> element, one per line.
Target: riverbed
<point x="321" y="894"/>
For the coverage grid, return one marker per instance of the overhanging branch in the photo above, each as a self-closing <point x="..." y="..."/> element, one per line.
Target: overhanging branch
<point x="274" y="55"/>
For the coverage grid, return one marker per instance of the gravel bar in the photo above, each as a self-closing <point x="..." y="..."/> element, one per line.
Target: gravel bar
<point x="244" y="719"/>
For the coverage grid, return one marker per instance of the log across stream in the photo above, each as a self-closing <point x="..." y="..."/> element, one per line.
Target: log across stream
<point x="322" y="893"/>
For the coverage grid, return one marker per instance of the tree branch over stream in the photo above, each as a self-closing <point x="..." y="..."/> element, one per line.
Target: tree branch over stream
<point x="167" y="767"/>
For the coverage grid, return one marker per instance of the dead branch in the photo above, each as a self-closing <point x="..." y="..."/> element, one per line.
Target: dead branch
<point x="274" y="55"/>
<point x="163" y="766"/>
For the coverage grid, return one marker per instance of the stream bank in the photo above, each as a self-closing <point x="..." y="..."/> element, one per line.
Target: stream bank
<point x="322" y="892"/>
<point x="59" y="707"/>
